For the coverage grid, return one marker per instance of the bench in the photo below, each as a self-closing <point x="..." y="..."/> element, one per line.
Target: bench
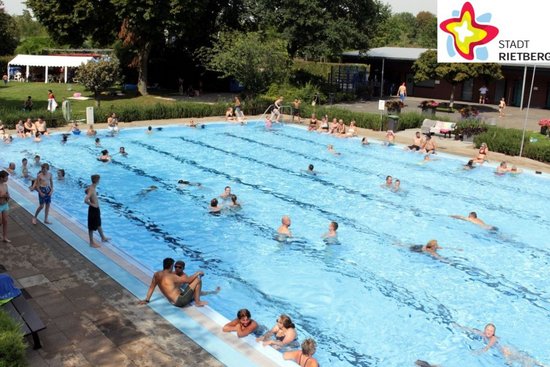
<point x="437" y="127"/>
<point x="21" y="311"/>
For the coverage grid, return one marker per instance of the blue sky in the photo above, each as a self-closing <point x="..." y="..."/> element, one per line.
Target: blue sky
<point x="398" y="6"/>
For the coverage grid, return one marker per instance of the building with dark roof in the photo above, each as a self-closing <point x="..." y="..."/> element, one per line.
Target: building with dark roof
<point x="391" y="66"/>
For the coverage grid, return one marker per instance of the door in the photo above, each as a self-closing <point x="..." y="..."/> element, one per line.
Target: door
<point x="467" y="90"/>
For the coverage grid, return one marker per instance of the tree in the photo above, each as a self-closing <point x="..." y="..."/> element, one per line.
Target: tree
<point x="142" y="25"/>
<point x="98" y="76"/>
<point x="8" y="32"/>
<point x="427" y="67"/>
<point x="28" y="27"/>
<point x="406" y="30"/>
<point x="317" y="28"/>
<point x="71" y="22"/>
<point x="252" y="59"/>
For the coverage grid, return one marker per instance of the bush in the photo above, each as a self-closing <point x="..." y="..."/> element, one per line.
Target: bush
<point x="364" y="120"/>
<point x="11" y="116"/>
<point x="305" y="93"/>
<point x="508" y="141"/>
<point x="161" y="111"/>
<point x="4" y="60"/>
<point x="12" y="344"/>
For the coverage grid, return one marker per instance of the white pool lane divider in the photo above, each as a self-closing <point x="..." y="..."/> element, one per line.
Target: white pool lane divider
<point x="203" y="325"/>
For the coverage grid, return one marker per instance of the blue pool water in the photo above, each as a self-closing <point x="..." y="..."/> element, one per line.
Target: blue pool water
<point x="368" y="301"/>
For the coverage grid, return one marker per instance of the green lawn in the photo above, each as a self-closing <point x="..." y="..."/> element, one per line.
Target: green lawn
<point x="14" y="94"/>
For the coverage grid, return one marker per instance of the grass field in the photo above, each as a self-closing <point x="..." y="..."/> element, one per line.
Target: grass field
<point x="13" y="95"/>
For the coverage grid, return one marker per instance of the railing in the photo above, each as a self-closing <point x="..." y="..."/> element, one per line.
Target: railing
<point x="281" y="111"/>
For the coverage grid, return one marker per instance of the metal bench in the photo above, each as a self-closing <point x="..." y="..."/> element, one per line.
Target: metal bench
<point x="21" y="311"/>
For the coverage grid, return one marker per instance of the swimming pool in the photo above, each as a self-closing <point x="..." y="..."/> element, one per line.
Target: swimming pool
<point x="367" y="301"/>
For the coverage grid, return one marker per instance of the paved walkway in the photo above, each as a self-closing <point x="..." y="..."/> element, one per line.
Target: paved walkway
<point x="90" y="319"/>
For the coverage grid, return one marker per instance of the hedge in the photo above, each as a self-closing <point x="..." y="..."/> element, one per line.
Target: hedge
<point x="508" y="141"/>
<point x="12" y="344"/>
<point x="366" y="120"/>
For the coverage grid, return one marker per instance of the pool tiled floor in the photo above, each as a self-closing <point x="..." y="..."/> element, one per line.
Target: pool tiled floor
<point x="90" y="319"/>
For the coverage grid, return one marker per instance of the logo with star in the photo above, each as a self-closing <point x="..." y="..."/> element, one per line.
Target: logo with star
<point x="467" y="32"/>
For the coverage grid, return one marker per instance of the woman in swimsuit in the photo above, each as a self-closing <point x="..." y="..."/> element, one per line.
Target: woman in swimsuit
<point x="304" y="357"/>
<point x="284" y="332"/>
<point x="482" y="154"/>
<point x="20" y="129"/>
<point x="312" y="123"/>
<point x="352" y="131"/>
<point x="324" y="124"/>
<point x="29" y="127"/>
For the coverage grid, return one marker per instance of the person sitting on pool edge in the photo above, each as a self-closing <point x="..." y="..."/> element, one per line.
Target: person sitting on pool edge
<point x="304" y="357"/>
<point x="243" y="324"/>
<point x="472" y="218"/>
<point x="169" y="284"/>
<point x="284" y="333"/>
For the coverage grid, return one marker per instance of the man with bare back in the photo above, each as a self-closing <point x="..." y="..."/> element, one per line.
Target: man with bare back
<point x="169" y="284"/>
<point x="94" y="214"/>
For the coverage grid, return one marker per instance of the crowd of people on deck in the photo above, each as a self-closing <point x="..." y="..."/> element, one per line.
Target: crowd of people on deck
<point x="182" y="289"/>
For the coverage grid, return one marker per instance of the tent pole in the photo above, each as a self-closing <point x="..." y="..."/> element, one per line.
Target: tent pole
<point x="46" y="75"/>
<point x="527" y="112"/>
<point x="65" y="69"/>
<point x="27" y="73"/>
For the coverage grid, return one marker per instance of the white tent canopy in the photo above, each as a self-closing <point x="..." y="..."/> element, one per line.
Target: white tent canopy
<point x="49" y="61"/>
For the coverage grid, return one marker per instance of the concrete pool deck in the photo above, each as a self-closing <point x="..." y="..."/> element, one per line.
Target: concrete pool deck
<point x="90" y="319"/>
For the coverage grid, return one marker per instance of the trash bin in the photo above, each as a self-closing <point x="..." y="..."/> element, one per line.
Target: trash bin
<point x="393" y="121"/>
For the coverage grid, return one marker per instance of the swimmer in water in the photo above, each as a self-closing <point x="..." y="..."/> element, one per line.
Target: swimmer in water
<point x="226" y="193"/>
<point x="97" y="142"/>
<point x="510" y="354"/>
<point x="388" y="183"/>
<point x="284" y="229"/>
<point x="472" y="218"/>
<point x="514" y="171"/>
<point x="149" y="130"/>
<point x="332" y="228"/>
<point x="330" y="149"/>
<point x="364" y="141"/>
<point x="268" y="122"/>
<point x="310" y="170"/>
<point x="60" y="174"/>
<point x="104" y="157"/>
<point x="396" y="186"/>
<point x="189" y="183"/>
<point x="122" y="152"/>
<point x="214" y="207"/>
<point x="147" y="190"/>
<point x="234" y="204"/>
<point x="430" y="248"/>
<point x="502" y="169"/>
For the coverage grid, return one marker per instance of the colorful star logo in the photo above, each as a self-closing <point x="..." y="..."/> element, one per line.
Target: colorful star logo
<point x="467" y="33"/>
